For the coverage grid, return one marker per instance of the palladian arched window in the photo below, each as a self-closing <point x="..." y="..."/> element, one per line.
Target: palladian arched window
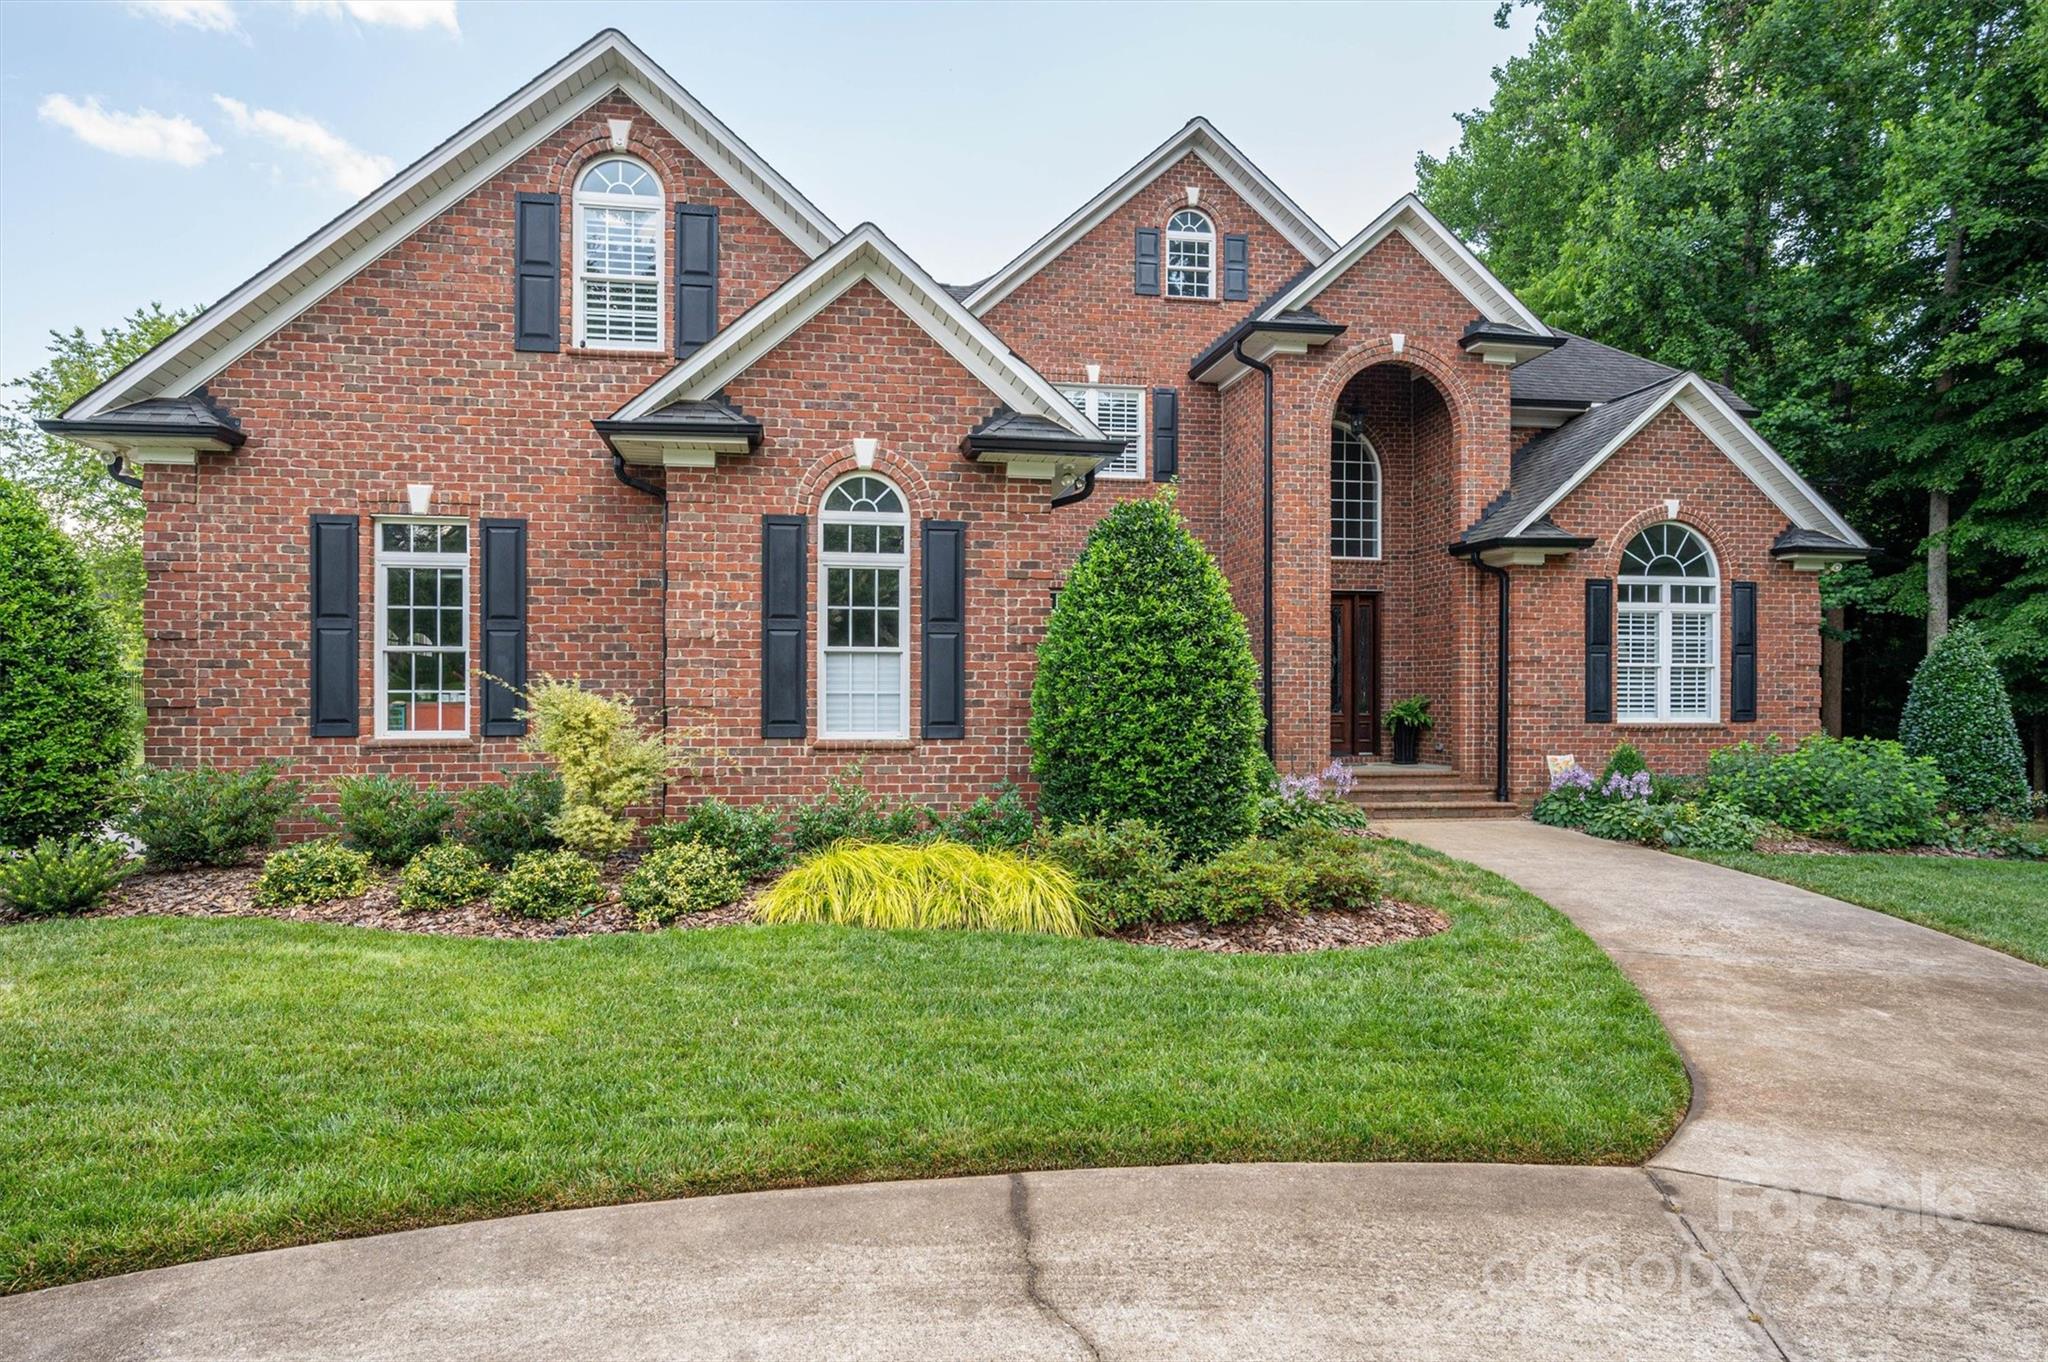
<point x="1667" y="628"/>
<point x="1190" y="255"/>
<point x="618" y="256"/>
<point x="863" y="572"/>
<point x="1354" y="494"/>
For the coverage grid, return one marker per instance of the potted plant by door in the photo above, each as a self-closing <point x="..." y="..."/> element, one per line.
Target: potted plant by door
<point x="1406" y="721"/>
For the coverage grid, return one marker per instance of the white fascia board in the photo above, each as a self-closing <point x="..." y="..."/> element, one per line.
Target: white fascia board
<point x="1215" y="150"/>
<point x="1736" y="440"/>
<point x="359" y="237"/>
<point x="1435" y="243"/>
<point x="863" y="254"/>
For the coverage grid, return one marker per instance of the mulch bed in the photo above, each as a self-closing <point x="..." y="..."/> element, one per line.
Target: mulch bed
<point x="1814" y="846"/>
<point x="1384" y="925"/>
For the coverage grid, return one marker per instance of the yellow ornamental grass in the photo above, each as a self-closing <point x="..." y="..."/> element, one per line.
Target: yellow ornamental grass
<point x="941" y="884"/>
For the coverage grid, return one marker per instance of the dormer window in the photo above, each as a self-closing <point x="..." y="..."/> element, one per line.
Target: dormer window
<point x="618" y="256"/>
<point x="1190" y="255"/>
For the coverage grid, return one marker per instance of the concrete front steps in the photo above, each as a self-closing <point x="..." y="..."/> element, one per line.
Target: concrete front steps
<point x="1385" y="790"/>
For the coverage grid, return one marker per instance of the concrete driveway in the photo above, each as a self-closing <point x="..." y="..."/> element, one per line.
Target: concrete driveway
<point x="1864" y="1174"/>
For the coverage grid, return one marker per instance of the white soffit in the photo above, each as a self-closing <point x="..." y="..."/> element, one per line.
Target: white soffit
<point x="1216" y="151"/>
<point x="311" y="270"/>
<point x="862" y="254"/>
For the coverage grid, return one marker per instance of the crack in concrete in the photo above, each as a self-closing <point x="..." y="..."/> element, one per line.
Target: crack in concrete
<point x="1020" y="1218"/>
<point x="1755" y="1315"/>
<point x="2012" y="1225"/>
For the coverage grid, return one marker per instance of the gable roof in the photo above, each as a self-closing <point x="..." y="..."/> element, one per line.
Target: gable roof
<point x="1581" y="372"/>
<point x="1546" y="470"/>
<point x="1199" y="137"/>
<point x="864" y="254"/>
<point x="1436" y="243"/>
<point x="607" y="63"/>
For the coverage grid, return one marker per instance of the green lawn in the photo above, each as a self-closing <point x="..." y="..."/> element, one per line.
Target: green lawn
<point x="176" y="1089"/>
<point x="2000" y="904"/>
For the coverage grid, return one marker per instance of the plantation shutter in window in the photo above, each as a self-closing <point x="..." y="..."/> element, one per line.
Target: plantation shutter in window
<point x="785" y="579"/>
<point x="504" y="625"/>
<point x="537" y="273"/>
<point x="1742" y="653"/>
<point x="336" y="590"/>
<point x="1237" y="266"/>
<point x="696" y="276"/>
<point x="945" y="615"/>
<point x="1599" y="651"/>
<point x="1147" y="278"/>
<point x="1165" y="433"/>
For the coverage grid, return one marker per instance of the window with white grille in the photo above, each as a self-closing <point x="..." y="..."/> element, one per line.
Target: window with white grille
<point x="1667" y="628"/>
<point x="863" y="567"/>
<point x="618" y="257"/>
<point x="422" y="628"/>
<point x="1354" y="495"/>
<point x="1190" y="255"/>
<point x="1120" y="414"/>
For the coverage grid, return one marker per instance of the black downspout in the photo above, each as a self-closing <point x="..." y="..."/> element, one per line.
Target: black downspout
<point x="114" y="471"/>
<point x="1500" y="699"/>
<point x="1266" y="603"/>
<point x="1079" y="492"/>
<point x="637" y="484"/>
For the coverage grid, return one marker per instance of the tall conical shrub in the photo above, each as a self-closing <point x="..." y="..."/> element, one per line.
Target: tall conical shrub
<point x="1958" y="713"/>
<point x="64" y="713"/>
<point x="1146" y="703"/>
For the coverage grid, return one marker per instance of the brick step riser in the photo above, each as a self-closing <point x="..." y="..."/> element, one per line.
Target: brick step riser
<point x="1489" y="809"/>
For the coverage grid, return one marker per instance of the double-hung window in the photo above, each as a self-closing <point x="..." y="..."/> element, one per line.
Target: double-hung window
<point x="422" y="628"/>
<point x="1190" y="255"/>
<point x="863" y="569"/>
<point x="1667" y="628"/>
<point x="1354" y="495"/>
<point x="618" y="256"/>
<point x="1120" y="414"/>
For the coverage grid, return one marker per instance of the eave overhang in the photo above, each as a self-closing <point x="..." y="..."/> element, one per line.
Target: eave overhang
<point x="1815" y="551"/>
<point x="680" y="442"/>
<point x="185" y="430"/>
<point x="1030" y="449"/>
<point x="1505" y="345"/>
<point x="1263" y="339"/>
<point x="1522" y="550"/>
<point x="1546" y="415"/>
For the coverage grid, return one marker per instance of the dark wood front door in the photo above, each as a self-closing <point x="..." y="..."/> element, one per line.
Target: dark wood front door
<point x="1354" y="673"/>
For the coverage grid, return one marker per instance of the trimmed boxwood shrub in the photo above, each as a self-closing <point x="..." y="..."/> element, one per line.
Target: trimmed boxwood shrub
<point x="1146" y="703"/>
<point x="1959" y="716"/>
<point x="449" y="875"/>
<point x="53" y="877"/>
<point x="206" y="816"/>
<point x="686" y="877"/>
<point x="313" y="872"/>
<point x="751" y="836"/>
<point x="66" y="721"/>
<point x="390" y="817"/>
<point x="1863" y="791"/>
<point x="501" y="821"/>
<point x="549" y="884"/>
<point x="1249" y="880"/>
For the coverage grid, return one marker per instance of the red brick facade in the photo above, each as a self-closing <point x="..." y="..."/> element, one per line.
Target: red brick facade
<point x="406" y="374"/>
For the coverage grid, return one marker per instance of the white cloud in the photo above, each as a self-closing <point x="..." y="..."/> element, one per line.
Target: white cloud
<point x="340" y="164"/>
<point x="412" y="15"/>
<point x="213" y="16"/>
<point x="145" y="133"/>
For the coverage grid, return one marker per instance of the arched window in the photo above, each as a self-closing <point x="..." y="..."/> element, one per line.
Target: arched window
<point x="1668" y="627"/>
<point x="1190" y="255"/>
<point x="863" y="570"/>
<point x="618" y="256"/>
<point x="1354" y="494"/>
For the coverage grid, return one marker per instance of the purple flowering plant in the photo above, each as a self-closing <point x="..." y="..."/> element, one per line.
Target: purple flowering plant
<point x="1619" y="786"/>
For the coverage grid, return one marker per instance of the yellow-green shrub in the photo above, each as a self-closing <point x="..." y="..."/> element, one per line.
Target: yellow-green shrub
<point x="607" y="761"/>
<point x="313" y="872"/>
<point x="939" y="884"/>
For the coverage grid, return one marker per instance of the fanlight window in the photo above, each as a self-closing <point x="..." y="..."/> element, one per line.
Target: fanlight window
<point x="862" y="568"/>
<point x="1354" y="495"/>
<point x="618" y="256"/>
<point x="1667" y="628"/>
<point x="1190" y="255"/>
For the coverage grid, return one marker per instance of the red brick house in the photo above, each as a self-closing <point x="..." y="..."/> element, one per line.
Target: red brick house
<point x="592" y="390"/>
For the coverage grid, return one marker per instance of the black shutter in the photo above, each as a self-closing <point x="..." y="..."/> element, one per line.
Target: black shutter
<point x="1147" y="278"/>
<point x="945" y="618"/>
<point x="1599" y="651"/>
<point x="785" y="582"/>
<point x="1742" y="654"/>
<point x="504" y="626"/>
<point x="1165" y="433"/>
<point x="336" y="589"/>
<point x="537" y="273"/>
<point x="696" y="276"/>
<point x="1237" y="266"/>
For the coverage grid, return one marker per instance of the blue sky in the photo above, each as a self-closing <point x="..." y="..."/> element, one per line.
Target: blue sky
<point x="168" y="149"/>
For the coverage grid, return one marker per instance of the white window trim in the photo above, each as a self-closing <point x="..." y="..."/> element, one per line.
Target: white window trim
<point x="1379" y="504"/>
<point x="1208" y="238"/>
<point x="382" y="558"/>
<point x="580" y="200"/>
<point x="900" y="561"/>
<point x="1665" y="610"/>
<point x="1090" y="406"/>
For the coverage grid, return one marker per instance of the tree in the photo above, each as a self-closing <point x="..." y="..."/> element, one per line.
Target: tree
<point x="102" y="516"/>
<point x="65" y="719"/>
<point x="1958" y="715"/>
<point x="1146" y="703"/>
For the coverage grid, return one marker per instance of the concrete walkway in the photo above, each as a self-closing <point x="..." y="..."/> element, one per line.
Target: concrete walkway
<point x="1864" y="1174"/>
